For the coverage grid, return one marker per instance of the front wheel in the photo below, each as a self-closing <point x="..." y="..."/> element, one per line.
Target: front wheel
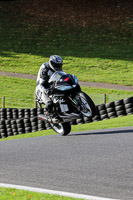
<point x="62" y="128"/>
<point x="87" y="106"/>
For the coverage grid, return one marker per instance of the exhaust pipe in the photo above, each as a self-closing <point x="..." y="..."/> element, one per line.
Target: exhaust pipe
<point x="42" y="117"/>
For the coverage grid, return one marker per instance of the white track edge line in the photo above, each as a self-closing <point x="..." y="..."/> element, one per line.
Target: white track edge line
<point x="54" y="192"/>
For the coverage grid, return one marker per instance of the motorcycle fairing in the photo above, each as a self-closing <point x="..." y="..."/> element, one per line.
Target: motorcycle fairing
<point x="63" y="81"/>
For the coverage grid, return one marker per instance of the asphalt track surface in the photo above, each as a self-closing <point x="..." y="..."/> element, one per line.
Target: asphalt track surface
<point x="97" y="163"/>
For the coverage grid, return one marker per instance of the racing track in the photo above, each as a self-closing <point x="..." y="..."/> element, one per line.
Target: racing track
<point x="97" y="163"/>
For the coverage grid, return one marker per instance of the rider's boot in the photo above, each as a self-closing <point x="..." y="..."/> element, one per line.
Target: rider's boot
<point x="49" y="114"/>
<point x="52" y="117"/>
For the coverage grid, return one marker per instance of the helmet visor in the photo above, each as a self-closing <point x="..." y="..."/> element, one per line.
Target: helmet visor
<point x="57" y="66"/>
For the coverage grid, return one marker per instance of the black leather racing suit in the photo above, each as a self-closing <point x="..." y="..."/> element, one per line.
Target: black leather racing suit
<point x="42" y="87"/>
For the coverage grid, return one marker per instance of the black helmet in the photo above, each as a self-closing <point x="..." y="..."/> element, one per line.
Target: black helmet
<point x="55" y="63"/>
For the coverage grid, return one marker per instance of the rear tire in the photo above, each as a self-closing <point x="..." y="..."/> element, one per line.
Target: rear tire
<point x="64" y="128"/>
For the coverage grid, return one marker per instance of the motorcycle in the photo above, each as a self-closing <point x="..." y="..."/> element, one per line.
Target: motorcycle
<point x="69" y="102"/>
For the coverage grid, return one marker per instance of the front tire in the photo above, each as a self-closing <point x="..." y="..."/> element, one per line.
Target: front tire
<point x="62" y="128"/>
<point x="86" y="104"/>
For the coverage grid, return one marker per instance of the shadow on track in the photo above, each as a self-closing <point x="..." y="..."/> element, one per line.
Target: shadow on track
<point x="102" y="132"/>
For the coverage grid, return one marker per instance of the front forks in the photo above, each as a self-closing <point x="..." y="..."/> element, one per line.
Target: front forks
<point x="75" y="103"/>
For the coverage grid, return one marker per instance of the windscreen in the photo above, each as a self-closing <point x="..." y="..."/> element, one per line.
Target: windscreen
<point x="56" y="76"/>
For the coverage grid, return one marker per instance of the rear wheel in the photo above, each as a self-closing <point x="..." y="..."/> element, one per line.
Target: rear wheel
<point x="63" y="128"/>
<point x="88" y="108"/>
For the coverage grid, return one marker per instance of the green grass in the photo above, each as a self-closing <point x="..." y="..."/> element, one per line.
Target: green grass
<point x="125" y="121"/>
<point x="15" y="194"/>
<point x="100" y="55"/>
<point x="19" y="93"/>
<point x="98" y="64"/>
<point x="105" y="124"/>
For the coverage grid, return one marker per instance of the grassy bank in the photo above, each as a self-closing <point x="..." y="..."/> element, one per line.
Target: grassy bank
<point x="19" y="93"/>
<point x="92" y="53"/>
<point x="91" y="59"/>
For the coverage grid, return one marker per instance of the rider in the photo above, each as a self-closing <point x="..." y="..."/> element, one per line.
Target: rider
<point x="42" y="87"/>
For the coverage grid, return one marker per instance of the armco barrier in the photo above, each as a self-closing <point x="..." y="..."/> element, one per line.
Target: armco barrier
<point x="15" y="121"/>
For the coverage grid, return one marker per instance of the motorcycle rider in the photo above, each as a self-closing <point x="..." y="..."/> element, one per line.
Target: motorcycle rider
<point x="42" y="87"/>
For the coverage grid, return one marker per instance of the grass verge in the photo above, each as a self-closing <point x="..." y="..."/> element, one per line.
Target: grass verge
<point x="15" y="194"/>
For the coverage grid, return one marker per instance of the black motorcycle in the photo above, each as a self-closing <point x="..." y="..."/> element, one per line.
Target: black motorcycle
<point x="69" y="102"/>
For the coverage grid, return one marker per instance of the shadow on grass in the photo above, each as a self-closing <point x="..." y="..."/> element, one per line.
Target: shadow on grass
<point x="17" y="35"/>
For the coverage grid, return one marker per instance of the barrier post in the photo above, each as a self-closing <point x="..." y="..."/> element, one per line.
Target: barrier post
<point x="3" y="102"/>
<point x="105" y="99"/>
<point x="35" y="103"/>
